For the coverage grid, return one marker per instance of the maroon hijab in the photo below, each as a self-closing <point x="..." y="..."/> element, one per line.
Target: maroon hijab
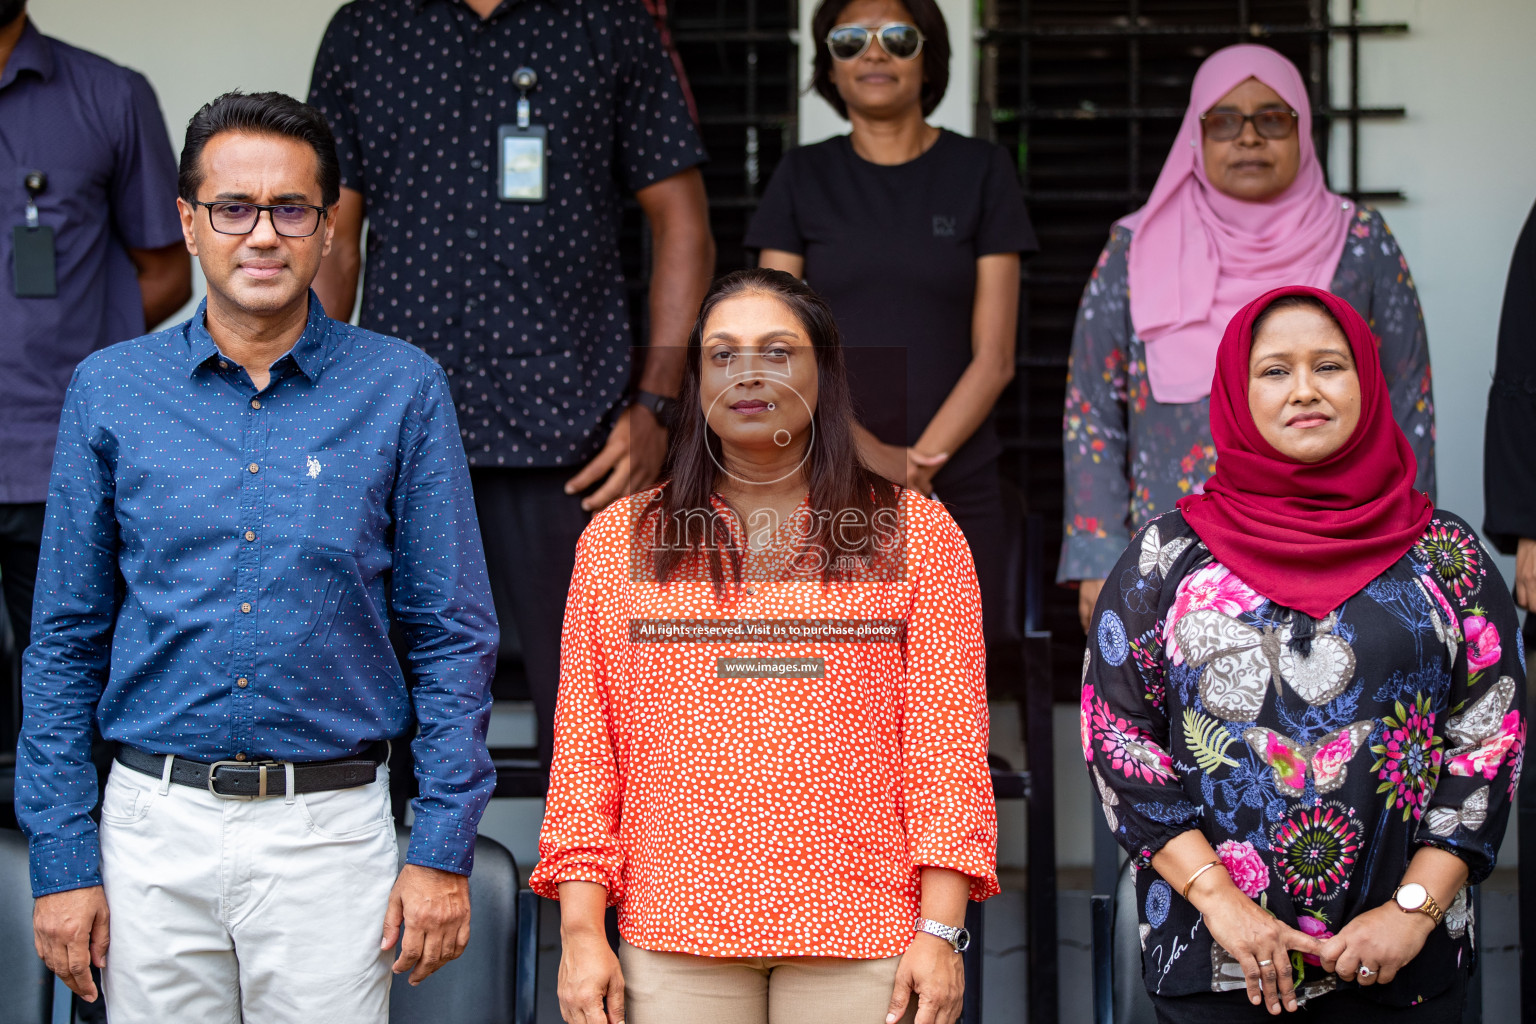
<point x="1306" y="535"/>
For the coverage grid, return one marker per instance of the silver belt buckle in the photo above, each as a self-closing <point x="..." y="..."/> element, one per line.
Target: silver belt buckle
<point x="262" y="766"/>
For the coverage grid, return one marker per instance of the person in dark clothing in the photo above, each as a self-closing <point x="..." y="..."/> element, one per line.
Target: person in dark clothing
<point x="489" y="144"/>
<point x="914" y="236"/>
<point x="1509" y="473"/>
<point x="92" y="253"/>
<point x="1240" y="206"/>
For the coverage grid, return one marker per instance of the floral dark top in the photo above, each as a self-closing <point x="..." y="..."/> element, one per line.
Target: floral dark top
<point x="1315" y="774"/>
<point x="1130" y="457"/>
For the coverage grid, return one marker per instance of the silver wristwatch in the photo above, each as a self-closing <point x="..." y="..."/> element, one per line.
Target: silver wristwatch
<point x="958" y="938"/>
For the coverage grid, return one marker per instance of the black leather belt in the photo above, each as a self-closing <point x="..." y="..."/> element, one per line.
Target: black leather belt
<point x="261" y="777"/>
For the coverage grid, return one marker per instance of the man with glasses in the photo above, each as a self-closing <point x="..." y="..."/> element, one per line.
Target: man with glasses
<point x="91" y="254"/>
<point x="488" y="144"/>
<point x="241" y="507"/>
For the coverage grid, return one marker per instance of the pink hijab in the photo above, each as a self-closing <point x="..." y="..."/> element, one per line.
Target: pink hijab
<point x="1198" y="255"/>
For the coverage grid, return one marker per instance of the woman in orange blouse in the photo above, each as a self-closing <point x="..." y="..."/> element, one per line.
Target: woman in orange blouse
<point x="793" y="837"/>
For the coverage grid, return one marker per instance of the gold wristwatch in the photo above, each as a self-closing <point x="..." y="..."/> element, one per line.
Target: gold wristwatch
<point x="1413" y="898"/>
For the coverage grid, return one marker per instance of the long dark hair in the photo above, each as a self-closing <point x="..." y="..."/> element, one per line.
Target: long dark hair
<point x="681" y="522"/>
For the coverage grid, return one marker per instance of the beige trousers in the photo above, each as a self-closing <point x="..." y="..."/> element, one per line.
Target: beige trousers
<point x="678" y="988"/>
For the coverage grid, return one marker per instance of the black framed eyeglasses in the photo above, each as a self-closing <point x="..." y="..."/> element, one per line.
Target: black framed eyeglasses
<point x="897" y="38"/>
<point x="1226" y="125"/>
<point x="291" y="220"/>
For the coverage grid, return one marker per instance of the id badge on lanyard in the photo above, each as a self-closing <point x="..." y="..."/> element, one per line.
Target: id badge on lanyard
<point x="35" y="275"/>
<point x="522" y="150"/>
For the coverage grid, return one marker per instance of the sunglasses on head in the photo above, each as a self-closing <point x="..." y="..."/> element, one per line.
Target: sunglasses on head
<point x="1226" y="125"/>
<point x="900" y="40"/>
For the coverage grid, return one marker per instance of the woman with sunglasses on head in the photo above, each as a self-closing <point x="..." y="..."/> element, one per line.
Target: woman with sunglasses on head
<point x="791" y="809"/>
<point x="1302" y="702"/>
<point x="1240" y="207"/>
<point x="913" y="235"/>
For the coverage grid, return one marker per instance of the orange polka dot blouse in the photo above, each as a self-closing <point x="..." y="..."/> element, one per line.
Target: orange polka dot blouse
<point x="771" y="816"/>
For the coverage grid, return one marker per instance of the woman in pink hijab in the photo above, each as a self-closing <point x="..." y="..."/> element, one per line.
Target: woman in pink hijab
<point x="1240" y="208"/>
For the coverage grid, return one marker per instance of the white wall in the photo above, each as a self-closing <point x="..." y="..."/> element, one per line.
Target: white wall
<point x="193" y="50"/>
<point x="956" y="112"/>
<point x="1466" y="162"/>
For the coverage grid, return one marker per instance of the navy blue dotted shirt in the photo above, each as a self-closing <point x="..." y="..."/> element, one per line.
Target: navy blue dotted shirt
<point x="95" y="130"/>
<point x="220" y="568"/>
<point x="523" y="304"/>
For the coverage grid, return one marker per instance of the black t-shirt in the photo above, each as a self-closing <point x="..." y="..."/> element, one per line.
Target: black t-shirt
<point x="893" y="250"/>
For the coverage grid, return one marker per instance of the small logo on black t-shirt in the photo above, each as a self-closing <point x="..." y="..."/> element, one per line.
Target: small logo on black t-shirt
<point x="943" y="227"/>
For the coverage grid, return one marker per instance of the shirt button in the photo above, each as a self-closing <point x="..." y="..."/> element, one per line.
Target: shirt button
<point x="242" y="682"/>
<point x="255" y="403"/>
<point x="476" y="165"/>
<point x="239" y="757"/>
<point x="223" y="365"/>
<point x="254" y="467"/>
<point x="471" y="233"/>
<point x="250" y="535"/>
<point x="245" y="606"/>
<point x="751" y="591"/>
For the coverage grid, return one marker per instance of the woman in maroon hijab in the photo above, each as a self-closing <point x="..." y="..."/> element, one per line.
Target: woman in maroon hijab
<point x="1299" y="706"/>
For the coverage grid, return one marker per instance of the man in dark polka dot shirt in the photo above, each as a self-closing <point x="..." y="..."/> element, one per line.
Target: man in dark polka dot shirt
<point x="523" y="303"/>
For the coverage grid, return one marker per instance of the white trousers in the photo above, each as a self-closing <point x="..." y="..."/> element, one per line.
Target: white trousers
<point x="266" y="911"/>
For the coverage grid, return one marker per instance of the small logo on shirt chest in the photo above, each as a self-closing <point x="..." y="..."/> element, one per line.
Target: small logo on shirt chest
<point x="943" y="227"/>
<point x="311" y="466"/>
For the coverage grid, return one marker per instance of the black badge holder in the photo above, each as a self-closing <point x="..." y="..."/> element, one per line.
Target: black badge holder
<point x="33" y="245"/>
<point x="521" y="151"/>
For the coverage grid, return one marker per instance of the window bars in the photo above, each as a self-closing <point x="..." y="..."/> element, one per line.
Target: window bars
<point x="1088" y="95"/>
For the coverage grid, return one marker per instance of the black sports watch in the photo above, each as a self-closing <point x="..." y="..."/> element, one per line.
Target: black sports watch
<point x="660" y="406"/>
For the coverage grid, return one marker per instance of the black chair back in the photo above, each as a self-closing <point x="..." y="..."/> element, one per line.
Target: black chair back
<point x="28" y="983"/>
<point x="478" y="987"/>
<point x="1120" y="996"/>
<point x="1132" y="1004"/>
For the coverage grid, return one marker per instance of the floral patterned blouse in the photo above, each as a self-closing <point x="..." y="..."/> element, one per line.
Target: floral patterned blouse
<point x="1130" y="457"/>
<point x="762" y="815"/>
<point x="1315" y="774"/>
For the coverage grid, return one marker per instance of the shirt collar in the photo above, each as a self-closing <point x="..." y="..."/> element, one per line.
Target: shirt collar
<point x="309" y="354"/>
<point x="506" y="5"/>
<point x="34" y="52"/>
